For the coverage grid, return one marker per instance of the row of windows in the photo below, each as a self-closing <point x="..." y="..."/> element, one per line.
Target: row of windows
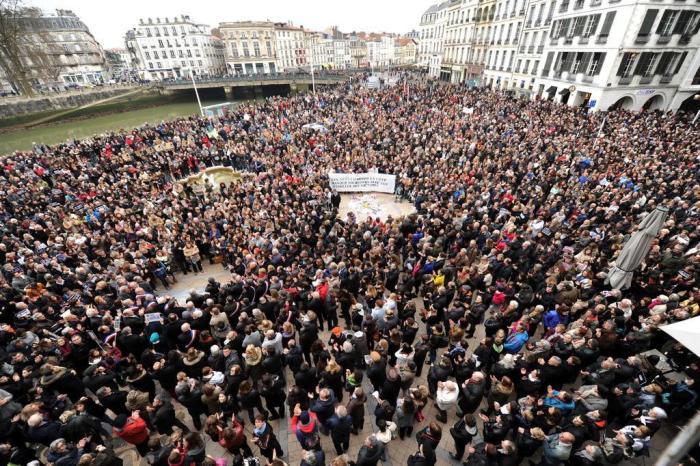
<point x="159" y="65"/>
<point x="247" y="35"/>
<point x="683" y="22"/>
<point x="648" y="64"/>
<point x="245" y="49"/>
<point x="166" y="31"/>
<point x="588" y="63"/>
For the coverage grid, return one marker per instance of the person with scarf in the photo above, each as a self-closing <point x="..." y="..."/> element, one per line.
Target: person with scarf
<point x="264" y="437"/>
<point x="306" y="426"/>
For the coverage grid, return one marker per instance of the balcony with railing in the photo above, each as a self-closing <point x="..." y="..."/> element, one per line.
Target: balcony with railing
<point x="666" y="78"/>
<point x="642" y="38"/>
<point x="624" y="80"/>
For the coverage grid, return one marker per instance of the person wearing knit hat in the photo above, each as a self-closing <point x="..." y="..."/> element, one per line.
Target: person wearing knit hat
<point x="305" y="426"/>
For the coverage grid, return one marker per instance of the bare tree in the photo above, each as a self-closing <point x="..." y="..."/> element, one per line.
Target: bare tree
<point x="45" y="56"/>
<point x="12" y="41"/>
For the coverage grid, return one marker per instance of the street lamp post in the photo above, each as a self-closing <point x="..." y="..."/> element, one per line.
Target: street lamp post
<point x="194" y="84"/>
<point x="196" y="92"/>
<point x="311" y="67"/>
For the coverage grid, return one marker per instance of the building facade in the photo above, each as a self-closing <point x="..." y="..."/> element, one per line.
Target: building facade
<point x="58" y="50"/>
<point x="358" y="51"/>
<point x="431" y="44"/>
<point x="118" y="63"/>
<point x="406" y="50"/>
<point x="625" y="53"/>
<point x="601" y="54"/>
<point x="505" y="26"/>
<point x="174" y="47"/>
<point x="538" y="21"/>
<point x="291" y="47"/>
<point x="250" y="47"/>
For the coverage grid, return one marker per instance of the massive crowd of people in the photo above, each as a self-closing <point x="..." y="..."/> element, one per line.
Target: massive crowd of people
<point x="489" y="303"/>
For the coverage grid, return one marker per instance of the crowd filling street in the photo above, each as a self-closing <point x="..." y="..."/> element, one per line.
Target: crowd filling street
<point x="481" y="327"/>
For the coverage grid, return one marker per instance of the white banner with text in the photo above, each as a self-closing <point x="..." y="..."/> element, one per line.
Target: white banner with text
<point x="362" y="182"/>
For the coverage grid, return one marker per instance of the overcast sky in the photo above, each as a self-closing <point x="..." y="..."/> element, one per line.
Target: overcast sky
<point x="109" y="20"/>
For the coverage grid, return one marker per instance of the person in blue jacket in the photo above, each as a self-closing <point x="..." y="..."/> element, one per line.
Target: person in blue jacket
<point x="560" y="400"/>
<point x="551" y="319"/>
<point x="516" y="340"/>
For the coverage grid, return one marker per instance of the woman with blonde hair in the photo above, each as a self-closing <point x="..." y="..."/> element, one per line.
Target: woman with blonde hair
<point x="332" y="377"/>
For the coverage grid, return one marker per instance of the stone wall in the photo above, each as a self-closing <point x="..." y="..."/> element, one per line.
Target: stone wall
<point x="16" y="107"/>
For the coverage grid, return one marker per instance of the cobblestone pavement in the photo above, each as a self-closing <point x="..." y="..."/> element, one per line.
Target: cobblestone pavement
<point x="398" y="450"/>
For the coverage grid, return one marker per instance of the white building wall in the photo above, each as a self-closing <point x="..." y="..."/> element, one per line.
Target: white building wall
<point x="164" y="48"/>
<point x="642" y="66"/>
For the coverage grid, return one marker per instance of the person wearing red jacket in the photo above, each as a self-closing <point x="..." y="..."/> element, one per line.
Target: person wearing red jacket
<point x="132" y="430"/>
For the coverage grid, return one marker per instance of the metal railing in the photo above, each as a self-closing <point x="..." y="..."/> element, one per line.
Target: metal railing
<point x="262" y="77"/>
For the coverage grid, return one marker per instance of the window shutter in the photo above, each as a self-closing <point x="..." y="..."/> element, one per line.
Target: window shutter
<point x="682" y="23"/>
<point x="643" y="62"/>
<point x="585" y="60"/>
<point x="607" y="24"/>
<point x="548" y="62"/>
<point x="595" y="19"/>
<point x="601" y="58"/>
<point x="579" y="24"/>
<point x="565" y="24"/>
<point x="568" y="61"/>
<point x="680" y="62"/>
<point x="554" y="33"/>
<point x="664" y="61"/>
<point x="623" y="63"/>
<point x="664" y="20"/>
<point x="648" y="22"/>
<point x="559" y="61"/>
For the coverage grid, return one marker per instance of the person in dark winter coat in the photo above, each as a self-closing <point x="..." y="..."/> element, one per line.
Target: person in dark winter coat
<point x="370" y="453"/>
<point x="376" y="372"/>
<point x="324" y="406"/>
<point x="356" y="409"/>
<point x="462" y="432"/>
<point x="272" y="389"/>
<point x="424" y="457"/>
<point x="340" y="425"/>
<point x="265" y="439"/>
<point x="472" y="392"/>
<point x="162" y="416"/>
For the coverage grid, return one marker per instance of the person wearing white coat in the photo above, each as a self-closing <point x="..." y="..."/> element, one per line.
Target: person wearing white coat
<point x="446" y="398"/>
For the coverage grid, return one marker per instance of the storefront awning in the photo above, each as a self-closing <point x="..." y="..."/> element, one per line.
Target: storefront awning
<point x="564" y="91"/>
<point x="551" y="89"/>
